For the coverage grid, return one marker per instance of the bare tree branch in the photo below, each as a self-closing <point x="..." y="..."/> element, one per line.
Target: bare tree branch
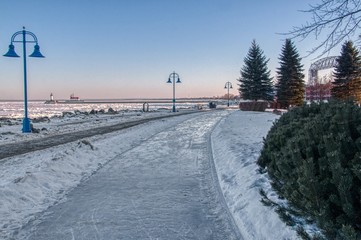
<point x="339" y="19"/>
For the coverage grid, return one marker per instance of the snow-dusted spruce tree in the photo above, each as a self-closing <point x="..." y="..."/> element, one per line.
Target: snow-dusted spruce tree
<point x="255" y="81"/>
<point x="347" y="74"/>
<point x="290" y="85"/>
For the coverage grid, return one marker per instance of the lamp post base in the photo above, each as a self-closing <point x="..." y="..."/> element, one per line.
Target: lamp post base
<point x="26" y="125"/>
<point x="174" y="110"/>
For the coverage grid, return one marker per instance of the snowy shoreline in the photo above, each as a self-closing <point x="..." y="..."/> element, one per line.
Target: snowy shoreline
<point x="32" y="182"/>
<point x="10" y="130"/>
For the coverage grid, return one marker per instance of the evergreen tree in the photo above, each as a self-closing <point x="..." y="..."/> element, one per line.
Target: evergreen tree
<point x="312" y="154"/>
<point x="290" y="85"/>
<point x="255" y="82"/>
<point x="347" y="83"/>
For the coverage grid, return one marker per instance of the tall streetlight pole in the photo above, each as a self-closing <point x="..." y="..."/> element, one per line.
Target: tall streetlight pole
<point x="228" y="86"/>
<point x="36" y="53"/>
<point x="173" y="76"/>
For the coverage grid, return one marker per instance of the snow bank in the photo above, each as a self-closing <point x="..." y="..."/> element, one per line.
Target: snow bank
<point x="10" y="129"/>
<point x="236" y="145"/>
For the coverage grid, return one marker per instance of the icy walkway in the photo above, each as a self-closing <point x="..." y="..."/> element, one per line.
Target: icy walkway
<point x="161" y="188"/>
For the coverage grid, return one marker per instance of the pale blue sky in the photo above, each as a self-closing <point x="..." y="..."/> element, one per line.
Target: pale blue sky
<point x="128" y="48"/>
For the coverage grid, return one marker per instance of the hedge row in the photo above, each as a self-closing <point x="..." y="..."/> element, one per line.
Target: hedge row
<point x="312" y="154"/>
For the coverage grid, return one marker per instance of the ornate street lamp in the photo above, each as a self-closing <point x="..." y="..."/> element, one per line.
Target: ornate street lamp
<point x="228" y="86"/>
<point x="37" y="54"/>
<point x="174" y="76"/>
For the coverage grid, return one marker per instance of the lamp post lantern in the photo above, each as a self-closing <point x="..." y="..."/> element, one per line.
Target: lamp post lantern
<point x="228" y="86"/>
<point x="36" y="53"/>
<point x="173" y="76"/>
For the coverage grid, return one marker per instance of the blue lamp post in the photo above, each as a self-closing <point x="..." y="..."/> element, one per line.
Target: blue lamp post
<point x="36" y="53"/>
<point x="228" y="86"/>
<point x="173" y="76"/>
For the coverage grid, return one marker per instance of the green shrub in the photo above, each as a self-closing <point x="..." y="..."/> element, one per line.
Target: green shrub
<point x="312" y="154"/>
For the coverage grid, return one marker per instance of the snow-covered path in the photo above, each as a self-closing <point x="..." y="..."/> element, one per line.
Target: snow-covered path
<point x="162" y="188"/>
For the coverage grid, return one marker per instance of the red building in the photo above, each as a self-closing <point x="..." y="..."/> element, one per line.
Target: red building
<point x="318" y="91"/>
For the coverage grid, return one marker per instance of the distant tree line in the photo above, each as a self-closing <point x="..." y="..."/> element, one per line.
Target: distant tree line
<point x="256" y="83"/>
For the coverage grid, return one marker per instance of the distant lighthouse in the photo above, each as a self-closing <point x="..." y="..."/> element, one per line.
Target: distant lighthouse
<point x="51" y="101"/>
